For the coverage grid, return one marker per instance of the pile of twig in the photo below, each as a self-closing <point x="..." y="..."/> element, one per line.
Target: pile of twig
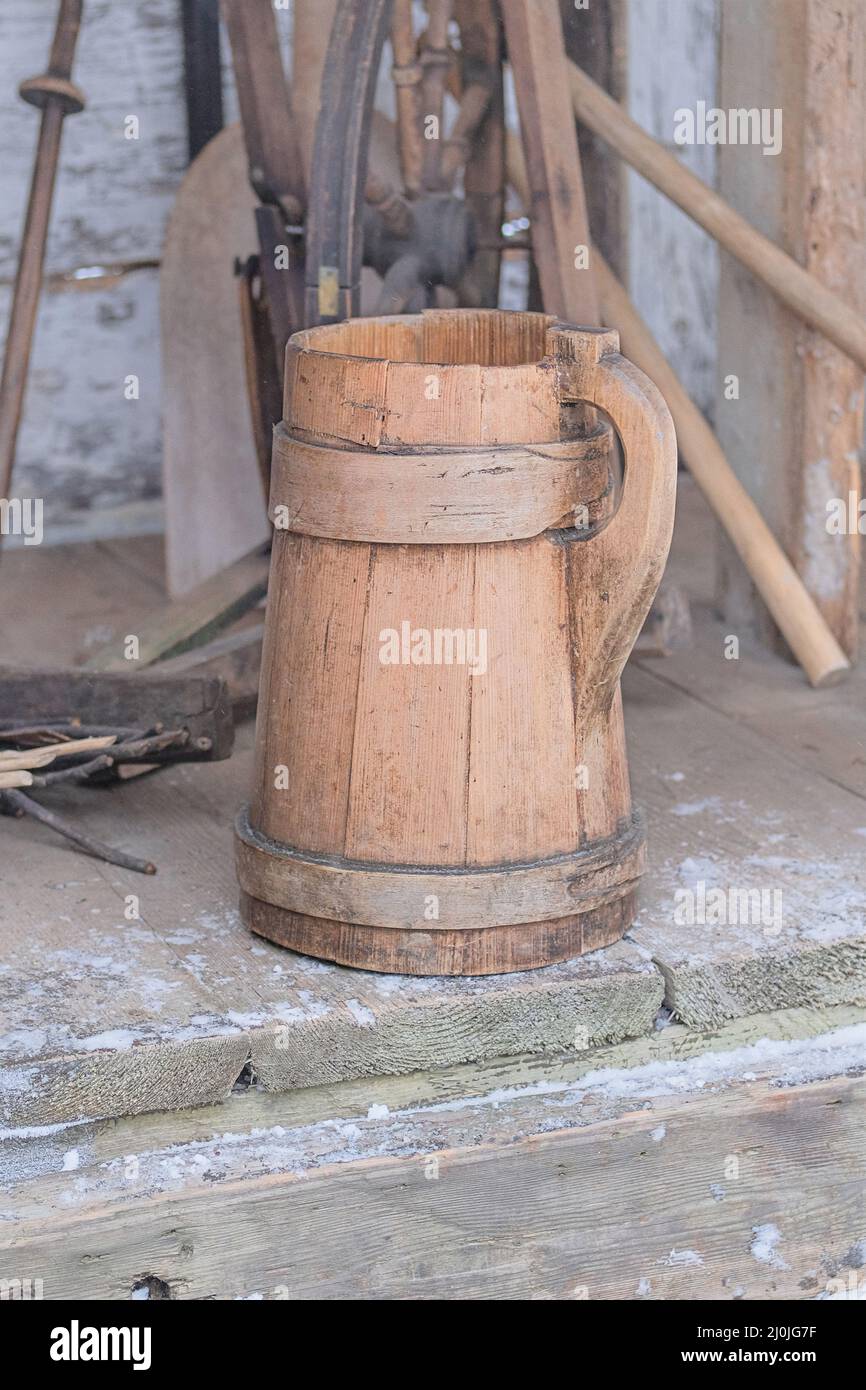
<point x="47" y="755"/>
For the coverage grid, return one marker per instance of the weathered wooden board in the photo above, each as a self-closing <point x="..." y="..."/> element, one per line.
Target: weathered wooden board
<point x="511" y="1195"/>
<point x="731" y="814"/>
<point x="215" y="507"/>
<point x="27" y="1155"/>
<point x="183" y="996"/>
<point x="171" y="628"/>
<point x="306" y="1022"/>
<point x="235" y="658"/>
<point x="77" y="597"/>
<point x="822" y="731"/>
<point x="794" y="431"/>
<point x="199" y="704"/>
<point x="186" y="979"/>
<point x="185" y="975"/>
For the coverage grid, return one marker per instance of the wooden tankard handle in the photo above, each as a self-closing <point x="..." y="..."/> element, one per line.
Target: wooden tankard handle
<point x="617" y="571"/>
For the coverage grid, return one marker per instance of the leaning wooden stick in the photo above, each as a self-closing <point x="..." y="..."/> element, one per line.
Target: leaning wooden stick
<point x="792" y="606"/>
<point x="795" y="287"/>
<point x="798" y="617"/>
<point x="57" y="97"/>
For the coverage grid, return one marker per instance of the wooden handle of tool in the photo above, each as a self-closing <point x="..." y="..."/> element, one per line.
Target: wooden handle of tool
<point x="618" y="570"/>
<point x="65" y="38"/>
<point x="778" y="583"/>
<point x="794" y="286"/>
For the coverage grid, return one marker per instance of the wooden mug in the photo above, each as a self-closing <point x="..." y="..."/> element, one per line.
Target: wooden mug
<point x="440" y="780"/>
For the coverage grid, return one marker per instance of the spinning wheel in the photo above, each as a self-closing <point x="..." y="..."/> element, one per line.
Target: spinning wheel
<point x="423" y="238"/>
<point x="434" y="239"/>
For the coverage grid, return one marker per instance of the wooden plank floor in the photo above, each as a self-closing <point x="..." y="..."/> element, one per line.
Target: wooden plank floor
<point x="682" y="1166"/>
<point x="751" y="781"/>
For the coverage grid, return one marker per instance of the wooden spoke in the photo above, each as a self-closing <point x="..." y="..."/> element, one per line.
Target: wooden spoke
<point x="481" y="57"/>
<point x="473" y="108"/>
<point x="436" y="60"/>
<point x="311" y="30"/>
<point x="334" y="242"/>
<point x="273" y="150"/>
<point x="427" y="243"/>
<point x="559" y="220"/>
<point x="407" y="73"/>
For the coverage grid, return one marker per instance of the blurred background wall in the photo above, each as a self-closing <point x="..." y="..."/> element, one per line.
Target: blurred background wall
<point x="93" y="455"/>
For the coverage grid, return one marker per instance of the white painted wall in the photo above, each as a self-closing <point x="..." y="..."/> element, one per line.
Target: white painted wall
<point x="673" y="264"/>
<point x="83" y="447"/>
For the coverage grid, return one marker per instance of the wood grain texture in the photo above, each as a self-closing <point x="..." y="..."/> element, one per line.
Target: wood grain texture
<point x="416" y="951"/>
<point x="173" y="1002"/>
<point x="36" y="1160"/>
<point x="407" y="797"/>
<point x="404" y="1210"/>
<point x="560" y="226"/>
<point x="523" y="797"/>
<point x="422" y="379"/>
<point x="499" y="493"/>
<point x="510" y="892"/>
<point x="505" y="748"/>
<point x="320" y="640"/>
<point x="622" y="567"/>
<point x="794" y="433"/>
<point x="103" y="1016"/>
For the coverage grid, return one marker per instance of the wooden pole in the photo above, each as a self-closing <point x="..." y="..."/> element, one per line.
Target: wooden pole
<point x="784" y="593"/>
<point x="57" y="97"/>
<point x="597" y="40"/>
<point x="270" y="135"/>
<point x="481" y="52"/>
<point x="407" y="74"/>
<point x="560" y="227"/>
<point x="802" y="292"/>
<point x="276" y="167"/>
